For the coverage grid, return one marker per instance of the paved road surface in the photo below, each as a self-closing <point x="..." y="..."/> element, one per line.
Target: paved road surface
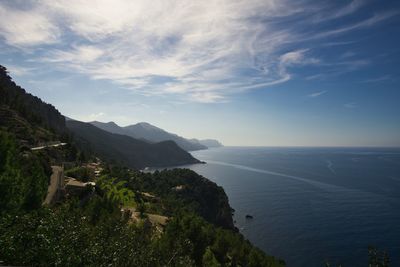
<point x="55" y="183"/>
<point x="53" y="145"/>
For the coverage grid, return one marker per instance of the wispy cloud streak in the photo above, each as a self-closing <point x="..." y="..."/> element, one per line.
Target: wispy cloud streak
<point x="200" y="50"/>
<point x="383" y="78"/>
<point x="316" y="94"/>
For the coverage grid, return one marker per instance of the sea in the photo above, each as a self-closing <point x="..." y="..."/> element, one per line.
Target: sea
<point x="311" y="206"/>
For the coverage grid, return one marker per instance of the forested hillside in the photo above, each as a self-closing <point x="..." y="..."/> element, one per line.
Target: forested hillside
<point x="129" y="218"/>
<point x="30" y="107"/>
<point x="34" y="122"/>
<point x="127" y="150"/>
<point x="151" y="133"/>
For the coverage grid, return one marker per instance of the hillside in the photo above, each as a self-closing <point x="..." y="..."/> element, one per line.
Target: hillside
<point x="30" y="107"/>
<point x="111" y="223"/>
<point x="110" y="127"/>
<point x="209" y="143"/>
<point x="34" y="122"/>
<point x="127" y="150"/>
<point x="27" y="133"/>
<point x="149" y="132"/>
<point x="201" y="195"/>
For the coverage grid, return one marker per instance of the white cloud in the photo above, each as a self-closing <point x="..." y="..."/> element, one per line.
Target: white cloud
<point x="346" y="10"/>
<point x="26" y="27"/>
<point x="92" y="116"/>
<point x="82" y="54"/>
<point x="316" y="94"/>
<point x="318" y="76"/>
<point x="352" y="7"/>
<point x="383" y="78"/>
<point x="199" y="50"/>
<point x="18" y="70"/>
<point x="372" y="21"/>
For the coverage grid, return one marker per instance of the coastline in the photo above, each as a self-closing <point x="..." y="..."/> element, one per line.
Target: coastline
<point x="293" y="190"/>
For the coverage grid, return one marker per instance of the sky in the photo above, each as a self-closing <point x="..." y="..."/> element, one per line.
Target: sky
<point x="248" y="73"/>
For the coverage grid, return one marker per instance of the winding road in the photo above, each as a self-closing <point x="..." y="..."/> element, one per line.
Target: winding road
<point x="52" y="145"/>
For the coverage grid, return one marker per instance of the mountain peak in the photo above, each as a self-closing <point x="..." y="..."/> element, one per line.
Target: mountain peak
<point x="151" y="133"/>
<point x="107" y="123"/>
<point x="112" y="123"/>
<point x="147" y="125"/>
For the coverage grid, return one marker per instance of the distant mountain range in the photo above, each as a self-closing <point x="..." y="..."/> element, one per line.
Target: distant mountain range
<point x="129" y="151"/>
<point x="209" y="143"/>
<point x="33" y="122"/>
<point x="153" y="134"/>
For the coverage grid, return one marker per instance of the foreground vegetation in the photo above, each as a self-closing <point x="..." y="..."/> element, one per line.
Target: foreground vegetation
<point x="96" y="229"/>
<point x="93" y="230"/>
<point x="74" y="236"/>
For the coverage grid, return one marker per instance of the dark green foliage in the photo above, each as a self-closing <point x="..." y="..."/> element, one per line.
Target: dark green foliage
<point x="28" y="106"/>
<point x="127" y="150"/>
<point x="209" y="259"/>
<point x="116" y="192"/>
<point x="377" y="258"/>
<point x="98" y="234"/>
<point x="80" y="173"/>
<point x="11" y="177"/>
<point x="67" y="237"/>
<point x="183" y="189"/>
<point x="210" y="246"/>
<point x="23" y="179"/>
<point x="27" y="117"/>
<point x="28" y="134"/>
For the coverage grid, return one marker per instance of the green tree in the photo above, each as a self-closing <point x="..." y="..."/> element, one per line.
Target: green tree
<point x="23" y="180"/>
<point x="116" y="192"/>
<point x="209" y="259"/>
<point x="377" y="258"/>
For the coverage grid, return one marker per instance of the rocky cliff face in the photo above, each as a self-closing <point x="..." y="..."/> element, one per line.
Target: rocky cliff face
<point x="197" y="194"/>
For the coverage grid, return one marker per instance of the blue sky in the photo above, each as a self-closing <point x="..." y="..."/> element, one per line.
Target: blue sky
<point x="260" y="73"/>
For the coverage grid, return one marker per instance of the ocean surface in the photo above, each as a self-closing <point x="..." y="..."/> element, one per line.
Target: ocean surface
<point x="312" y="205"/>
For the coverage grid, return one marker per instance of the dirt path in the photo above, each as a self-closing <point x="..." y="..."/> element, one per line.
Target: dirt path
<point x="55" y="183"/>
